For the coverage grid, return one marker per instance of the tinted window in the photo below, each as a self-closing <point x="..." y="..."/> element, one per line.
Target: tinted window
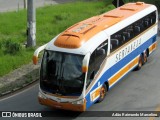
<point x="96" y="60"/>
<point x="131" y="31"/>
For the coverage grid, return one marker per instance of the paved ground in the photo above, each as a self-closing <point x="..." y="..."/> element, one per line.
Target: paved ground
<point x="9" y="5"/>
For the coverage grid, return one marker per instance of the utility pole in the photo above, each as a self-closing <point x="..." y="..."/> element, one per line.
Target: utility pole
<point x="31" y="23"/>
<point x="117" y="3"/>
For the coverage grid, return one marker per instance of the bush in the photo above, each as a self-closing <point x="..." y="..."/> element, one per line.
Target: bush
<point x="10" y="47"/>
<point x="0" y="45"/>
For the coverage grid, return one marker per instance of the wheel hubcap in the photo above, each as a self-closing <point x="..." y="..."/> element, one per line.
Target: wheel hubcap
<point x="145" y="57"/>
<point x="103" y="92"/>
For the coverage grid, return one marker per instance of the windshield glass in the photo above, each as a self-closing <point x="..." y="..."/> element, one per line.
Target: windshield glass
<point x="61" y="73"/>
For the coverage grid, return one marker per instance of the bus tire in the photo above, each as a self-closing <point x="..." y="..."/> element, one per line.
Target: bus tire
<point x="140" y="63"/>
<point x="103" y="92"/>
<point x="144" y="57"/>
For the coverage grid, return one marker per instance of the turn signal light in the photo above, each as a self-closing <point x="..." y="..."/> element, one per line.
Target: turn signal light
<point x="84" y="69"/>
<point x="35" y="60"/>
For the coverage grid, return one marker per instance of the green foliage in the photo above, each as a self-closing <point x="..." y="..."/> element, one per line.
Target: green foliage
<point x="10" y="47"/>
<point x="51" y="20"/>
<point x="108" y="1"/>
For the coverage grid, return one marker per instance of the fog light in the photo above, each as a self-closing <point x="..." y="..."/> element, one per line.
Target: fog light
<point x="41" y="95"/>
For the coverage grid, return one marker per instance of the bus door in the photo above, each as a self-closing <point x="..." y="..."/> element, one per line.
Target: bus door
<point x="95" y="65"/>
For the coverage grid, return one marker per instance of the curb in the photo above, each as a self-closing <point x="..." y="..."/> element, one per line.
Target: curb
<point x="19" y="79"/>
<point x="17" y="89"/>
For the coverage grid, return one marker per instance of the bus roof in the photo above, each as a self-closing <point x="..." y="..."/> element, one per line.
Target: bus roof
<point x="75" y="36"/>
<point x="86" y="35"/>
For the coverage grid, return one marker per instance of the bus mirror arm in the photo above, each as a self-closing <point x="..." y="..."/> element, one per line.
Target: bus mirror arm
<point x="85" y="63"/>
<point x="36" y="53"/>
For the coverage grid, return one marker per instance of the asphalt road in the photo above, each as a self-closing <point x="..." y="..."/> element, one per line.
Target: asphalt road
<point x="138" y="91"/>
<point x="10" y="5"/>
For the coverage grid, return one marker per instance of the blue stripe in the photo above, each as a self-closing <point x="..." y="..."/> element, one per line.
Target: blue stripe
<point x="114" y="69"/>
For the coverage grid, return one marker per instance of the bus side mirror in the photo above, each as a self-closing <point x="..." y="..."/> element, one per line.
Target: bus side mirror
<point x="35" y="60"/>
<point x="36" y="53"/>
<point x="85" y="63"/>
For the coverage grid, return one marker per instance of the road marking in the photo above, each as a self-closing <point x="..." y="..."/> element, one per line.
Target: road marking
<point x="156" y="111"/>
<point x="18" y="93"/>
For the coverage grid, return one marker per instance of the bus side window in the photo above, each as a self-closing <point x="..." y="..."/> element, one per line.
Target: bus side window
<point x="137" y="30"/>
<point x="141" y="25"/>
<point x="121" y="39"/>
<point x="122" y="36"/>
<point x="115" y="44"/>
<point x="127" y="35"/>
<point x="100" y="55"/>
<point x="153" y="17"/>
<point x="130" y="30"/>
<point x="146" y="23"/>
<point x="111" y="47"/>
<point x="90" y="74"/>
<point x="96" y="59"/>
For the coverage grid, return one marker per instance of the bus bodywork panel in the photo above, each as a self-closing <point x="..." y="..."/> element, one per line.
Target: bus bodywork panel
<point x="119" y="67"/>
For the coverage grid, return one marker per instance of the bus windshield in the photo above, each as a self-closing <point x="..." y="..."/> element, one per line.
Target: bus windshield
<point x="61" y="73"/>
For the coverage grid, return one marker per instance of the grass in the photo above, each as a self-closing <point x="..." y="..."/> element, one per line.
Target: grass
<point x="51" y="20"/>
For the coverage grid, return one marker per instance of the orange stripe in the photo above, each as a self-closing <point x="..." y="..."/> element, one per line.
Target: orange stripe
<point x="152" y="47"/>
<point x="123" y="71"/>
<point x="95" y="94"/>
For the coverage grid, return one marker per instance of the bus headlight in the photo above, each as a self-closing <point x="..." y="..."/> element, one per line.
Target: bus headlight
<point x="78" y="101"/>
<point x="41" y="95"/>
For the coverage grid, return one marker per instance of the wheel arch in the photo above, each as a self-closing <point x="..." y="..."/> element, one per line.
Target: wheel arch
<point x="107" y="85"/>
<point x="147" y="52"/>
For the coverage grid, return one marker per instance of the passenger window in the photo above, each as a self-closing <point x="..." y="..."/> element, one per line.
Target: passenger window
<point x="130" y="30"/>
<point x="146" y="23"/>
<point x="96" y="61"/>
<point x="115" y="44"/>
<point x="100" y="55"/>
<point x="124" y="35"/>
<point x="153" y="17"/>
<point x="137" y="29"/>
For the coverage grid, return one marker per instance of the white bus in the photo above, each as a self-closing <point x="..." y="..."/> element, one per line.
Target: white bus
<point x="82" y="63"/>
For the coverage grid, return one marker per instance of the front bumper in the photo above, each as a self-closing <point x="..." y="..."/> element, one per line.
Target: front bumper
<point x="65" y="106"/>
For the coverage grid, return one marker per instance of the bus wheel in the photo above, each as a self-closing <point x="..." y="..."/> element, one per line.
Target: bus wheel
<point x="140" y="63"/>
<point x="144" y="57"/>
<point x="103" y="92"/>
